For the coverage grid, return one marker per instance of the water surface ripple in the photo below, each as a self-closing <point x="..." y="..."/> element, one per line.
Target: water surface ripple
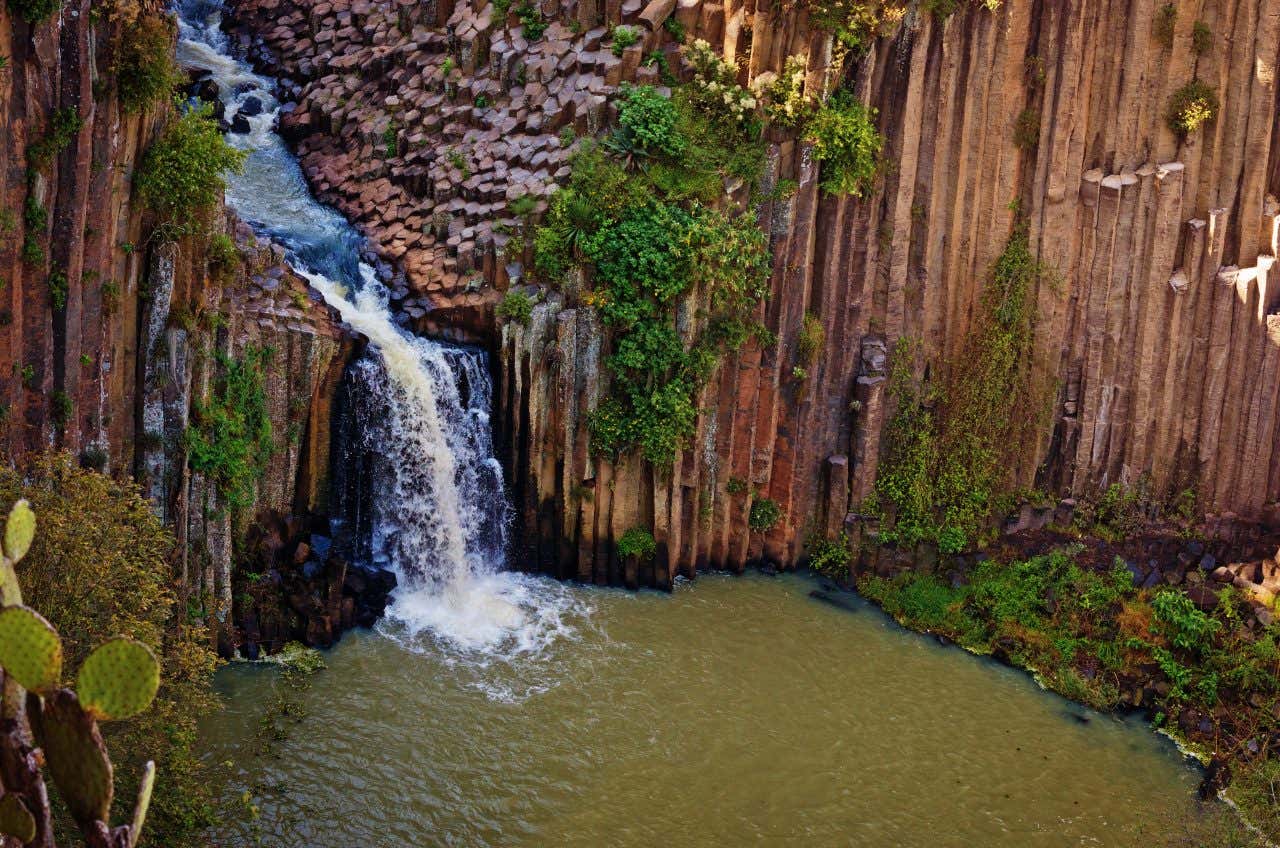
<point x="737" y="711"/>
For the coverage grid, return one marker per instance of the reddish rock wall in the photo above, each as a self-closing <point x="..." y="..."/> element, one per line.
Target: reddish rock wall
<point x="113" y="373"/>
<point x="1160" y="333"/>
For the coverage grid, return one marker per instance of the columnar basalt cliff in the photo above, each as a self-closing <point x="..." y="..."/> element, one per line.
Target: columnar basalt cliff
<point x="1158" y="329"/>
<point x="116" y="331"/>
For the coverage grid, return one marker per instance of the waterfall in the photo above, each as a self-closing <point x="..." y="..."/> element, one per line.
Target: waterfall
<point x="437" y="514"/>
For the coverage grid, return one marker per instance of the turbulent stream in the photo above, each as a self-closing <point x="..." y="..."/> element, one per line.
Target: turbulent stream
<point x="492" y="708"/>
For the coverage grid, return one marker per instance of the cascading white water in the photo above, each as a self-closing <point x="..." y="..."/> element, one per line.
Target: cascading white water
<point x="439" y="510"/>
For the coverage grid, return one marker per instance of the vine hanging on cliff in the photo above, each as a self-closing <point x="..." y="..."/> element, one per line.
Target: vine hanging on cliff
<point x="231" y="438"/>
<point x="950" y="449"/>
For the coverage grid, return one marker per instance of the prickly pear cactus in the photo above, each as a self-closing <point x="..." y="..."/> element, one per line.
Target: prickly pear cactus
<point x="16" y="820"/>
<point x="76" y="756"/>
<point x="19" y="531"/>
<point x="118" y="680"/>
<point x="30" y="650"/>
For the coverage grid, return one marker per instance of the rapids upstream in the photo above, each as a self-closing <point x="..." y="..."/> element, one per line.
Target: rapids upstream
<point x="495" y="709"/>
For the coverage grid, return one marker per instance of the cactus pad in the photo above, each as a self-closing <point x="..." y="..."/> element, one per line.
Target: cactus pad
<point x="16" y="820"/>
<point x="76" y="757"/>
<point x="118" y="679"/>
<point x="144" y="802"/>
<point x="19" y="530"/>
<point x="30" y="650"/>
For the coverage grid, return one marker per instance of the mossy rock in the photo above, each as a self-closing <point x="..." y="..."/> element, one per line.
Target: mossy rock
<point x="118" y="680"/>
<point x="30" y="649"/>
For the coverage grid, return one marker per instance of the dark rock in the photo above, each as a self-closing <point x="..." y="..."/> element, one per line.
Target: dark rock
<point x="1202" y="596"/>
<point x="251" y="651"/>
<point x="1153" y="578"/>
<point x="321" y="544"/>
<point x="240" y="125"/>
<point x="1216" y="777"/>
<point x="250" y="106"/>
<point x="1208" y="562"/>
<point x="205" y="89"/>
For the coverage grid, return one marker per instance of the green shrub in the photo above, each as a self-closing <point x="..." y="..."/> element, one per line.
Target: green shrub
<point x="647" y="122"/>
<point x="144" y="64"/>
<point x="181" y="174"/>
<point x="1185" y="624"/>
<point x="624" y="37"/>
<point x="831" y="557"/>
<point x="736" y="486"/>
<point x="1191" y="107"/>
<point x="516" y="306"/>
<point x="64" y="125"/>
<point x="855" y="23"/>
<point x="786" y="102"/>
<point x="637" y="542"/>
<point x="1201" y="38"/>
<point x="390" y="141"/>
<point x="61" y="408"/>
<point x="100" y="568"/>
<point x="847" y="144"/>
<point x="230" y="441"/>
<point x="1165" y="22"/>
<point x="1026" y="129"/>
<point x="812" y="336"/>
<point x="35" y="218"/>
<point x="34" y="11"/>
<point x="58" y="289"/>
<point x="222" y="256"/>
<point x="940" y="9"/>
<point x="764" y="514"/>
<point x="531" y="21"/>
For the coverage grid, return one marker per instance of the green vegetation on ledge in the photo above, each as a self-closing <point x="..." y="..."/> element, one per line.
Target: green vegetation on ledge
<point x="181" y="175"/>
<point x="144" y="65"/>
<point x="640" y="217"/>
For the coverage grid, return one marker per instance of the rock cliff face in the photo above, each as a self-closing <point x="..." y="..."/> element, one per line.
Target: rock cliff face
<point x="425" y="121"/>
<point x="113" y="333"/>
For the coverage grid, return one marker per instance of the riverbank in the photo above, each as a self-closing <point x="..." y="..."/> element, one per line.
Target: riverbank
<point x="1197" y="656"/>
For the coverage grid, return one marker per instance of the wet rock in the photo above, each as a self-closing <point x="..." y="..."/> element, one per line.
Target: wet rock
<point x="250" y="106"/>
<point x="1216" y="777"/>
<point x="239" y="125"/>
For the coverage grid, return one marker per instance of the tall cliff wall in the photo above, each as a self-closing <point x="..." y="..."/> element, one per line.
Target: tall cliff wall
<point x="1158" y="334"/>
<point x="113" y="332"/>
